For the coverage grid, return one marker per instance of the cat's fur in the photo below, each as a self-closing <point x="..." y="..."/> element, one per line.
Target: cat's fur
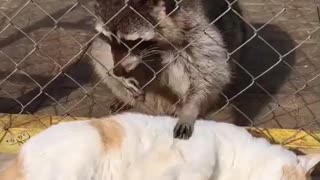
<point x="140" y="147"/>
<point x="198" y="73"/>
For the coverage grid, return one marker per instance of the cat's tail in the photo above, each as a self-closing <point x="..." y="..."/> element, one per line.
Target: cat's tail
<point x="13" y="171"/>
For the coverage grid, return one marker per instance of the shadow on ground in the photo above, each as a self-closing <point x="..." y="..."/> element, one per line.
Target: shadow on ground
<point x="261" y="72"/>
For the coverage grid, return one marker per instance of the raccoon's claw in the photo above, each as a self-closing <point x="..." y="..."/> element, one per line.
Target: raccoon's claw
<point x="140" y="97"/>
<point x="183" y="130"/>
<point x="117" y="106"/>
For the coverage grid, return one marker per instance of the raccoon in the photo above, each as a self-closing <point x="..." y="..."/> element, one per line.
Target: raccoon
<point x="193" y="60"/>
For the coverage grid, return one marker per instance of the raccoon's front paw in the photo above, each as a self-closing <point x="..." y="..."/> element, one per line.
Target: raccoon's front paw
<point x="140" y="97"/>
<point x="183" y="130"/>
<point x="118" y="106"/>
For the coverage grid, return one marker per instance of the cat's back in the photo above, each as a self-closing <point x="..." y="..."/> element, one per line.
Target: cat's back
<point x="149" y="145"/>
<point x="147" y="133"/>
<point x="152" y="136"/>
<point x="149" y="141"/>
<point x="161" y="126"/>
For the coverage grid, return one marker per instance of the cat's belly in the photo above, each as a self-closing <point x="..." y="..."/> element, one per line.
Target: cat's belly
<point x="167" y="161"/>
<point x="168" y="165"/>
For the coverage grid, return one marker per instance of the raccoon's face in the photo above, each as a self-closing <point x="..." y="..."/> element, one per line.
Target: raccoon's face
<point x="125" y="66"/>
<point x="127" y="22"/>
<point x="134" y="19"/>
<point x="137" y="61"/>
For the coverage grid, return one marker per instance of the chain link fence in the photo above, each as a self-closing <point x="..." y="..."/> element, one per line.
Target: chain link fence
<point x="46" y="68"/>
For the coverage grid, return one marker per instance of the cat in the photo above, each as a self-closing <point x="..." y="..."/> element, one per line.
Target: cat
<point x="197" y="65"/>
<point x="132" y="146"/>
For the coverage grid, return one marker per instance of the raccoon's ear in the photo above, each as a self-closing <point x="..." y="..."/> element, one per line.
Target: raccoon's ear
<point x="170" y="5"/>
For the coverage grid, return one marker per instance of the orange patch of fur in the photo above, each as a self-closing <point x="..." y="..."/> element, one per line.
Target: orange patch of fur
<point x="292" y="173"/>
<point x="111" y="133"/>
<point x="12" y="171"/>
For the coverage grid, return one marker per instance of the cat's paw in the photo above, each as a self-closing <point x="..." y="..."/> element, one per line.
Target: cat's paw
<point x="183" y="130"/>
<point x="118" y="106"/>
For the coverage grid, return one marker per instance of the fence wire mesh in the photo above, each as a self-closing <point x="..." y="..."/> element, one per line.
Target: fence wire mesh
<point x="46" y="68"/>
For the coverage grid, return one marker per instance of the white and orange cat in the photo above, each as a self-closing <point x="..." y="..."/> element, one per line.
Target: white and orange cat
<point x="140" y="147"/>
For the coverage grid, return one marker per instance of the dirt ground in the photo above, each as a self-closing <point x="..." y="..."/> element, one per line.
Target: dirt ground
<point x="279" y="79"/>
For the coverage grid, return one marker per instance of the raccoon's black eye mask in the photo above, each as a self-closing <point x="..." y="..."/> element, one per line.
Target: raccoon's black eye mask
<point x="131" y="43"/>
<point x="113" y="41"/>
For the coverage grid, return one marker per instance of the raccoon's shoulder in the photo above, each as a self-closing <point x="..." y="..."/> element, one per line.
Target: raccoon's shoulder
<point x="215" y="8"/>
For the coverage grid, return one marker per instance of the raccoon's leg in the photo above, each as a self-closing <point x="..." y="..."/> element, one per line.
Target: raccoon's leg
<point x="102" y="63"/>
<point x="126" y="97"/>
<point x="188" y="114"/>
<point x="187" y="118"/>
<point x="117" y="106"/>
<point x="195" y="105"/>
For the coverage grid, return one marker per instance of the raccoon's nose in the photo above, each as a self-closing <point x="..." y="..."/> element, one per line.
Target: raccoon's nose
<point x="119" y="71"/>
